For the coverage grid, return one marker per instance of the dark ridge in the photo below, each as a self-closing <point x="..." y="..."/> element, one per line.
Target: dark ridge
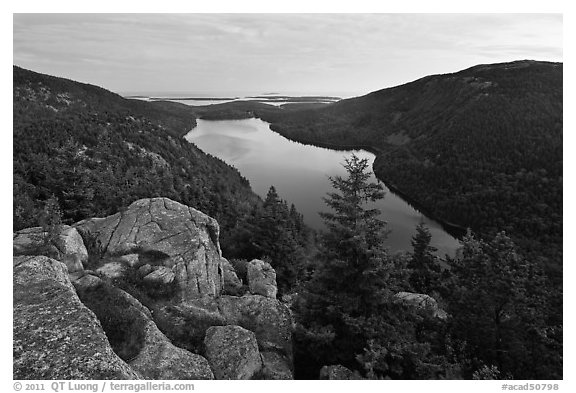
<point x="176" y="117"/>
<point x="96" y="152"/>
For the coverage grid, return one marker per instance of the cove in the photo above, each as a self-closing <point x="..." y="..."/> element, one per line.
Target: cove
<point x="301" y="173"/>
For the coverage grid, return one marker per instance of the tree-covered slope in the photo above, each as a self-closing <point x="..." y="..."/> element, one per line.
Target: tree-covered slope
<point x="175" y="117"/>
<point x="96" y="153"/>
<point x="481" y="148"/>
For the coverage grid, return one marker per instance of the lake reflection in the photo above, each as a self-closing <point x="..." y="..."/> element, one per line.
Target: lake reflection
<point x="300" y="174"/>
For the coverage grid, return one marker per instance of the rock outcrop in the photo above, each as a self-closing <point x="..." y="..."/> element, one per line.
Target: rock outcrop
<point x="422" y="302"/>
<point x="168" y="234"/>
<point x="113" y="269"/>
<point x="55" y="335"/>
<point x="65" y="245"/>
<point x="136" y="337"/>
<point x="232" y="284"/>
<point x="269" y="319"/>
<point x="73" y="320"/>
<point x="159" y="359"/>
<point x="85" y="280"/>
<point x="262" y="279"/>
<point x="186" y="323"/>
<point x="232" y="352"/>
<point x="160" y="276"/>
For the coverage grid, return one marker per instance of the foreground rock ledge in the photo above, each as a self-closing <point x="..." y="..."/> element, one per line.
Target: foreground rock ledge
<point x="55" y="335"/>
<point x="232" y="352"/>
<point x="96" y="330"/>
<point x="152" y="355"/>
<point x="269" y="319"/>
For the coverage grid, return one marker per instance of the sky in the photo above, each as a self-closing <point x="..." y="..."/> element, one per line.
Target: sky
<point x="227" y="54"/>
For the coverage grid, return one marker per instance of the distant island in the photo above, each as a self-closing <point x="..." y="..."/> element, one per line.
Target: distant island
<point x="192" y="98"/>
<point x="297" y="98"/>
<point x="271" y="98"/>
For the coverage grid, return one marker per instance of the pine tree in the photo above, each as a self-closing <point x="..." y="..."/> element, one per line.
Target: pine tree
<point x="498" y="309"/>
<point x="353" y="248"/>
<point x="274" y="236"/>
<point x="299" y="228"/>
<point x="347" y="314"/>
<point x="352" y="282"/>
<point x="272" y="198"/>
<point x="425" y="269"/>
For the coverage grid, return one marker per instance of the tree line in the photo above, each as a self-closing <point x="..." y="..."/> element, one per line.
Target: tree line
<point x="347" y="312"/>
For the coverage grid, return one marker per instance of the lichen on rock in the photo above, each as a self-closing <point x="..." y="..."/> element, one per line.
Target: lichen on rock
<point x="164" y="233"/>
<point x="65" y="245"/>
<point x="150" y="305"/>
<point x="55" y="335"/>
<point x="232" y="352"/>
<point x="262" y="279"/>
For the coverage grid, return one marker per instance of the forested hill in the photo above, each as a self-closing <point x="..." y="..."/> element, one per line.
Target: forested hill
<point x="91" y="153"/>
<point x="174" y="117"/>
<point x="481" y="148"/>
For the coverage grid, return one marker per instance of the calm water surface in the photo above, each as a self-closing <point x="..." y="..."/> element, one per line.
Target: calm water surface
<point x="300" y="174"/>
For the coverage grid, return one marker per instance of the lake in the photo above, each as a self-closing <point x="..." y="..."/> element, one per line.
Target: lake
<point x="300" y="174"/>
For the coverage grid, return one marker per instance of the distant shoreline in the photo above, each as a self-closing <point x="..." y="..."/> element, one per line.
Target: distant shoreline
<point x="258" y="98"/>
<point x="457" y="231"/>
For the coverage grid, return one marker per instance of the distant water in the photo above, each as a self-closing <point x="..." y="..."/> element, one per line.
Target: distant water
<point x="200" y="99"/>
<point x="300" y="174"/>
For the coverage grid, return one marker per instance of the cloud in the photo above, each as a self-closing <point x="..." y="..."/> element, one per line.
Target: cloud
<point x="219" y="52"/>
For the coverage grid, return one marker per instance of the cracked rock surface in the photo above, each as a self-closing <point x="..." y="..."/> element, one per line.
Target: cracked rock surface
<point x="67" y="246"/>
<point x="55" y="335"/>
<point x="151" y="354"/>
<point x="169" y="234"/>
<point x="155" y="300"/>
<point x="268" y="319"/>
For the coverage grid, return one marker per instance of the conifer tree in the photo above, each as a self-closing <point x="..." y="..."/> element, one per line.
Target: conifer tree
<point x="347" y="314"/>
<point x="498" y="309"/>
<point x="425" y="269"/>
<point x="272" y="198"/>
<point x="352" y="281"/>
<point x="354" y="254"/>
<point x="275" y="237"/>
